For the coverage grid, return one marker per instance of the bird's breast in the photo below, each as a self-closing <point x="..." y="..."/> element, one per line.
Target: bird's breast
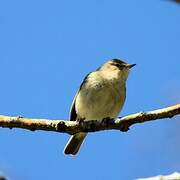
<point x="100" y="99"/>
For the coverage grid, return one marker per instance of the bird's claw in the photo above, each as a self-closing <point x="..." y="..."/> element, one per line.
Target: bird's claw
<point x="106" y="121"/>
<point x="124" y="127"/>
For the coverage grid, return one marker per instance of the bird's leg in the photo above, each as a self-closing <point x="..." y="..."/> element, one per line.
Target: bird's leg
<point x="81" y="121"/>
<point x="106" y="121"/>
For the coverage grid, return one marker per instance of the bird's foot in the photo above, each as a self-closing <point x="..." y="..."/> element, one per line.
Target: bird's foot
<point x="106" y="121"/>
<point x="81" y="121"/>
<point x="124" y="127"/>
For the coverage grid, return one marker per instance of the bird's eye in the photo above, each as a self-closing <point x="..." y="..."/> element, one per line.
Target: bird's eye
<point x="119" y="66"/>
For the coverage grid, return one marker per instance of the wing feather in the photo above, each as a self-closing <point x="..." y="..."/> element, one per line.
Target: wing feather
<point x="73" y="114"/>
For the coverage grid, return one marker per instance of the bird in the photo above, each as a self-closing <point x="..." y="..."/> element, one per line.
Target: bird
<point x="101" y="95"/>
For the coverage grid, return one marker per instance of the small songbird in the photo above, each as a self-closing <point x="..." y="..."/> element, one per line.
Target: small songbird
<point x="101" y="95"/>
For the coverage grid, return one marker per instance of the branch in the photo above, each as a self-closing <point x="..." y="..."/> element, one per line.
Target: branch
<point x="174" y="176"/>
<point x="72" y="127"/>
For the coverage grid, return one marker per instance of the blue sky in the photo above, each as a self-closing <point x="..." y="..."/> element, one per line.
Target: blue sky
<point x="47" y="47"/>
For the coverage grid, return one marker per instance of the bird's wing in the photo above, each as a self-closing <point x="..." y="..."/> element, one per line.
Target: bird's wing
<point x="73" y="114"/>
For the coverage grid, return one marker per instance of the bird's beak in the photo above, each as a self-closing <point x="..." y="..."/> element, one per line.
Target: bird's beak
<point x="130" y="65"/>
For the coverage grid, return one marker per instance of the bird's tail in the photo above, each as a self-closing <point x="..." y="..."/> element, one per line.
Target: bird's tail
<point x="74" y="143"/>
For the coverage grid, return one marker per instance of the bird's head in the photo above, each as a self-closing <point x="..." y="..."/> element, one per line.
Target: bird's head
<point x="118" y="67"/>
